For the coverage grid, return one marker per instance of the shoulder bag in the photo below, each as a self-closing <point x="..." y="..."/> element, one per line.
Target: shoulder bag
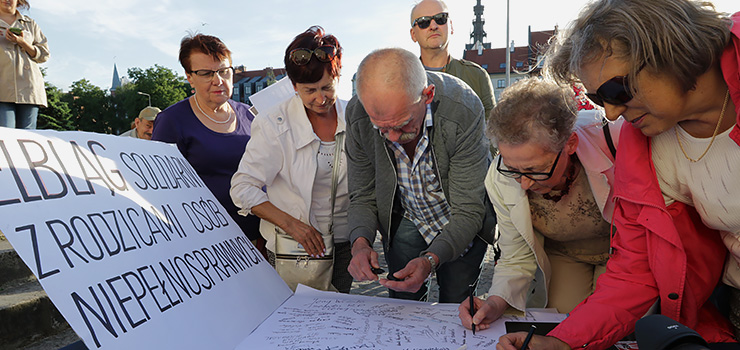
<point x="292" y="262"/>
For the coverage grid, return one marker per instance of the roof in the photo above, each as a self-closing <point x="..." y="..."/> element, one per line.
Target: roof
<point x="492" y="59"/>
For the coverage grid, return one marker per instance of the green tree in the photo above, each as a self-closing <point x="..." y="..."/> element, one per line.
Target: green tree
<point x="164" y="85"/>
<point x="56" y="115"/>
<point x="91" y="108"/>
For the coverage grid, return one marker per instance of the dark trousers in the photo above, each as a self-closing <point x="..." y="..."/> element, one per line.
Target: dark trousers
<point x="453" y="277"/>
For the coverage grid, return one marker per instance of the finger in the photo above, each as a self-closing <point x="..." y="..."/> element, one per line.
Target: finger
<point x="359" y="268"/>
<point x="319" y="241"/>
<point x="464" y="314"/>
<point x="310" y="246"/>
<point x="374" y="259"/>
<point x="402" y="286"/>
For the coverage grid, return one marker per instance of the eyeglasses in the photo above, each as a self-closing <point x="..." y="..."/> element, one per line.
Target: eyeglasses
<point x="424" y="21"/>
<point x="532" y="176"/>
<point x="302" y="56"/>
<point x="224" y="73"/>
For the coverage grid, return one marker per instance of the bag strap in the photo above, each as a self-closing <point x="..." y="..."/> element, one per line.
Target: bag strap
<point x="608" y="138"/>
<point x="339" y="145"/>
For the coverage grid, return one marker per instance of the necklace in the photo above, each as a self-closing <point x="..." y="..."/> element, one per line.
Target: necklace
<point x="231" y="114"/>
<point x="716" y="129"/>
<point x="568" y="181"/>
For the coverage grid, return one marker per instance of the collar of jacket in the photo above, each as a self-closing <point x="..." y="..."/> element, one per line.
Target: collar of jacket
<point x="303" y="134"/>
<point x="634" y="173"/>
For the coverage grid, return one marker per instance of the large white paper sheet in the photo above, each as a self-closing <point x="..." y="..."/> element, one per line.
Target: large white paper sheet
<point x="315" y="320"/>
<point x="273" y="95"/>
<point x="130" y="245"/>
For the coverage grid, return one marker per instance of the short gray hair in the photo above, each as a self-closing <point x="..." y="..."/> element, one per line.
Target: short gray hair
<point x="395" y="68"/>
<point x="534" y="110"/>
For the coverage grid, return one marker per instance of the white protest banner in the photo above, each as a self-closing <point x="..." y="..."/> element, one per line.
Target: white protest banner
<point x="130" y="245"/>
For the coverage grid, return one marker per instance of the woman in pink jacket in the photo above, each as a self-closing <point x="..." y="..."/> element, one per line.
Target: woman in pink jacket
<point x="670" y="69"/>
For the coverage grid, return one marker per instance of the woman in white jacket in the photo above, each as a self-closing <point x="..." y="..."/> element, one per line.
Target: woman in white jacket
<point x="291" y="155"/>
<point x="550" y="187"/>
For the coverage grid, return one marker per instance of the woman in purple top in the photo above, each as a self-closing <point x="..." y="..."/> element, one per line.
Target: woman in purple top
<point x="209" y="128"/>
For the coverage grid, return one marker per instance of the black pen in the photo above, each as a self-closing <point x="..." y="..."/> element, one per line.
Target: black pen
<point x="528" y="338"/>
<point x="472" y="306"/>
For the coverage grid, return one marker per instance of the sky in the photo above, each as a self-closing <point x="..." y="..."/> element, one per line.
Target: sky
<point x="86" y="38"/>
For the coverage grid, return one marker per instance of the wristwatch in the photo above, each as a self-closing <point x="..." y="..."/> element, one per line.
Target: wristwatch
<point x="431" y="261"/>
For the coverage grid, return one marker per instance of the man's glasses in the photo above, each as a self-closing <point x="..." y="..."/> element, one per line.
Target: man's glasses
<point x="224" y="73"/>
<point x="532" y="176"/>
<point x="302" y="56"/>
<point x="424" y="21"/>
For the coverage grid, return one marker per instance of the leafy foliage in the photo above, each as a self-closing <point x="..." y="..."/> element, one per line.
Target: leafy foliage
<point x="90" y="108"/>
<point x="57" y="115"/>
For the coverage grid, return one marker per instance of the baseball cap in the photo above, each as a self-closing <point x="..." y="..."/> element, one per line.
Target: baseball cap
<point x="149" y="113"/>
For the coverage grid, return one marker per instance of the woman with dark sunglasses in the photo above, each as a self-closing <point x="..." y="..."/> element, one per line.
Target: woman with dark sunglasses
<point x="551" y="189"/>
<point x="291" y="154"/>
<point x="670" y="69"/>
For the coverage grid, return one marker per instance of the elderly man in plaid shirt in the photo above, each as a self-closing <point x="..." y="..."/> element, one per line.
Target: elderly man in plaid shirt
<point x="417" y="159"/>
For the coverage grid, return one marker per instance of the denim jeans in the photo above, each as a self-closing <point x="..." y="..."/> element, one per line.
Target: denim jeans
<point x="453" y="277"/>
<point x="19" y="116"/>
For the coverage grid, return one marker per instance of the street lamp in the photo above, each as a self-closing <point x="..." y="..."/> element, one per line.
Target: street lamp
<point x="508" y="52"/>
<point x="147" y="95"/>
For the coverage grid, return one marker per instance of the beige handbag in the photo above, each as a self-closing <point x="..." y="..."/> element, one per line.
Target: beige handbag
<point x="292" y="262"/>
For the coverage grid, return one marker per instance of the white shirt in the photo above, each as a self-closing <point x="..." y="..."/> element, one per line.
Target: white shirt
<point x="711" y="185"/>
<point x="282" y="157"/>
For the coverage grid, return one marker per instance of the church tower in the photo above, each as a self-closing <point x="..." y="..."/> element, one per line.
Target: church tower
<point x="476" y="37"/>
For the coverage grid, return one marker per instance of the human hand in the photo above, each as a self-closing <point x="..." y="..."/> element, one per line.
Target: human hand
<point x="513" y="341"/>
<point x="13" y="36"/>
<point x="364" y="258"/>
<point x="487" y="311"/>
<point x="307" y="236"/>
<point x="411" y="277"/>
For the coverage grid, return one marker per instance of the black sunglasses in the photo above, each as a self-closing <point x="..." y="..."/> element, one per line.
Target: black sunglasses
<point x="532" y="176"/>
<point x="615" y="91"/>
<point x="424" y="21"/>
<point x="302" y="56"/>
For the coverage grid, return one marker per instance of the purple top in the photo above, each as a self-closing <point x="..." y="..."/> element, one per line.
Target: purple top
<point x="215" y="156"/>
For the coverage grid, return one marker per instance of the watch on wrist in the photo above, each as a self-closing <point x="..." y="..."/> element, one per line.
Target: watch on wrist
<point x="431" y="261"/>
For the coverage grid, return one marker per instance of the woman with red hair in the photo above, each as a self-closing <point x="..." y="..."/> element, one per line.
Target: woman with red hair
<point x="291" y="155"/>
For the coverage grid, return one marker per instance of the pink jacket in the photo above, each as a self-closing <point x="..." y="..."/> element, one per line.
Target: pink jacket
<point x="730" y="63"/>
<point x="650" y="260"/>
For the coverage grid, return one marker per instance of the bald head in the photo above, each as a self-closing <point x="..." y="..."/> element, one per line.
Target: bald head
<point x="435" y="6"/>
<point x="393" y="70"/>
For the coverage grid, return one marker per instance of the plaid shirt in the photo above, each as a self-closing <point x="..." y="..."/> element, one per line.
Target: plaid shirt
<point x="422" y="197"/>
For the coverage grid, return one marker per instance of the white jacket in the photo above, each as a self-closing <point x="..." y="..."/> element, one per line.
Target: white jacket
<point x="524" y="266"/>
<point x="281" y="157"/>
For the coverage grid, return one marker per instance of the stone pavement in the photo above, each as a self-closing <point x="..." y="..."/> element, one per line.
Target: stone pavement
<point x="373" y="288"/>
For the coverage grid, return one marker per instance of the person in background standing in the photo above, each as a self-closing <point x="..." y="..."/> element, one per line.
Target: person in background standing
<point x="143" y="124"/>
<point x="431" y="28"/>
<point x="24" y="46"/>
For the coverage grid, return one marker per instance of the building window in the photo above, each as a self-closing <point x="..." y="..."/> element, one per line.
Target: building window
<point x="520" y="64"/>
<point x="502" y="66"/>
<point x="485" y="66"/>
<point x="501" y="83"/>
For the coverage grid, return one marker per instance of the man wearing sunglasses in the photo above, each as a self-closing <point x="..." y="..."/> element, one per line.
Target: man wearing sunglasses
<point x="417" y="158"/>
<point x="431" y="29"/>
